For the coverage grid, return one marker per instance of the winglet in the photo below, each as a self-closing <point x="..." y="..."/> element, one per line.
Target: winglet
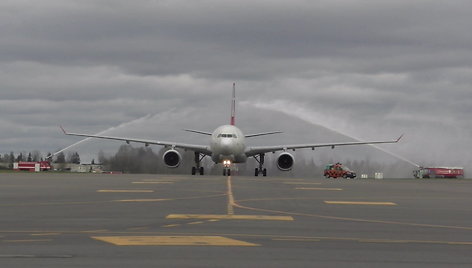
<point x="63" y="130"/>
<point x="399" y="138"/>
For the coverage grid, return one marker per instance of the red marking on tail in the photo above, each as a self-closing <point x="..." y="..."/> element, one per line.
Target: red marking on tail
<point x="233" y="106"/>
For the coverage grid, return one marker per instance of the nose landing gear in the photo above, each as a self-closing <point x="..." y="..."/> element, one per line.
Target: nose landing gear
<point x="226" y="168"/>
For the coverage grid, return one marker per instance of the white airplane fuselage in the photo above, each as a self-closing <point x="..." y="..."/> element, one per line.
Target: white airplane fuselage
<point x="228" y="144"/>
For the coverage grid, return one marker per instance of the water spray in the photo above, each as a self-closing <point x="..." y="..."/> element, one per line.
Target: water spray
<point x="304" y="115"/>
<point x="101" y="133"/>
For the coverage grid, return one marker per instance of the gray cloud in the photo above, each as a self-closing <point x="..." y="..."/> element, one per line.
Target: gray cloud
<point x="375" y="69"/>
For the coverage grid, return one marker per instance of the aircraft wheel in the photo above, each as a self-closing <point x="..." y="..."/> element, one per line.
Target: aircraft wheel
<point x="229" y="172"/>
<point x="194" y="170"/>
<point x="224" y="171"/>
<point x="264" y="172"/>
<point x="202" y="171"/>
<point x="256" y="172"/>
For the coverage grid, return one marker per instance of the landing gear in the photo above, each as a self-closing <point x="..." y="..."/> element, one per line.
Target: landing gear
<point x="261" y="169"/>
<point x="198" y="168"/>
<point x="226" y="172"/>
<point x="258" y="171"/>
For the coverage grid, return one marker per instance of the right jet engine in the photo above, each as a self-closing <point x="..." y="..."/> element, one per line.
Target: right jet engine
<point x="285" y="161"/>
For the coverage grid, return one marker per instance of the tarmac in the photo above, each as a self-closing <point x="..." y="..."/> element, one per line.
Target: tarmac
<point x="129" y="220"/>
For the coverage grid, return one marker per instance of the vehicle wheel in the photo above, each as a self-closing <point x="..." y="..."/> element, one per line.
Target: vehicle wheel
<point x="202" y="171"/>
<point x="264" y="172"/>
<point x="193" y="170"/>
<point x="256" y="172"/>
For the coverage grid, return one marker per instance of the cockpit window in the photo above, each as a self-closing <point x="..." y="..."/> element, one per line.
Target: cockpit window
<point x="226" y="136"/>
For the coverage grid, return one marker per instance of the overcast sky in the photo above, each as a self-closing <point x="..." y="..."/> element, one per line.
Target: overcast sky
<point x="371" y="69"/>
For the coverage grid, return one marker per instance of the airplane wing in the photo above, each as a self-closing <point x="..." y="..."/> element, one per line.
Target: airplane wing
<point x="262" y="134"/>
<point x="192" y="147"/>
<point x="255" y="150"/>
<point x="198" y="132"/>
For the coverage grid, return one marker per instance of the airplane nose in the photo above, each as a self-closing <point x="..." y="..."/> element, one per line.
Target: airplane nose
<point x="226" y="146"/>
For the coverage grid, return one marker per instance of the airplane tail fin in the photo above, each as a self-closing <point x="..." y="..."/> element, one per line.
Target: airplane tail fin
<point x="233" y="106"/>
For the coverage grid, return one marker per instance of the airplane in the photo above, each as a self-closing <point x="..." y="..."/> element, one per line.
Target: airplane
<point x="227" y="146"/>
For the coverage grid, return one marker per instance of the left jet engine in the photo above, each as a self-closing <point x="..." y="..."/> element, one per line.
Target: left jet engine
<point x="172" y="158"/>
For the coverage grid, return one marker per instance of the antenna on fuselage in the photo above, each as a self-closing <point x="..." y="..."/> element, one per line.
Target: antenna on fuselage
<point x="233" y="105"/>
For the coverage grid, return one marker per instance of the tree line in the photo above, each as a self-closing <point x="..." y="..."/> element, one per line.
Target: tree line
<point x="129" y="159"/>
<point x="35" y="156"/>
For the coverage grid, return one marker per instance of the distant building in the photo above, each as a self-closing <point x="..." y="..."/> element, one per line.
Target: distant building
<point x="80" y="168"/>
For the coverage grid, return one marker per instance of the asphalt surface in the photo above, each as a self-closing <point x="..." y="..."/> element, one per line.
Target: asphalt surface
<point x="87" y="220"/>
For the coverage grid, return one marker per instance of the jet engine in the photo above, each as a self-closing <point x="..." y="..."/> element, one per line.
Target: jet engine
<point x="285" y="161"/>
<point x="172" y="158"/>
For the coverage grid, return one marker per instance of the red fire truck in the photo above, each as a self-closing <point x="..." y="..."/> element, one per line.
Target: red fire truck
<point x="32" y="166"/>
<point x="439" y="172"/>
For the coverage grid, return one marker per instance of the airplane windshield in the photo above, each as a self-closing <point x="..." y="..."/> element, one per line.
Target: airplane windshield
<point x="227" y="136"/>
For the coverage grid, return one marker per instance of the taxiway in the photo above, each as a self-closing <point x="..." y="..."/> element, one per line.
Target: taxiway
<point x="88" y="220"/>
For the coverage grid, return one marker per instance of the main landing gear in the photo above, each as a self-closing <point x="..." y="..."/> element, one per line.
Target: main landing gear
<point x="198" y="168"/>
<point x="261" y="169"/>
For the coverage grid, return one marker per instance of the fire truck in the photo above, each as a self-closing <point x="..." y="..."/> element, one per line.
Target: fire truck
<point x="338" y="171"/>
<point x="32" y="166"/>
<point x="439" y="172"/>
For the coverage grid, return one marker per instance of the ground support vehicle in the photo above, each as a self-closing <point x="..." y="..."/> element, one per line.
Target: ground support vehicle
<point x="338" y="171"/>
<point x="438" y="172"/>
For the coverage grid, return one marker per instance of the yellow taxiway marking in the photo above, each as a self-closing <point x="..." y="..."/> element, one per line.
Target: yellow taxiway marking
<point x="318" y="189"/>
<point x="459" y="243"/>
<point x="137" y="228"/>
<point x="27" y="240"/>
<point x="141" y="200"/>
<point x="172" y="241"/>
<point x="360" y="203"/>
<point x="95" y="231"/>
<point x="230" y="206"/>
<point x="303" y="183"/>
<point x="171" y="225"/>
<point x="229" y="217"/>
<point x="196" y="222"/>
<point x="367" y="240"/>
<point x="294" y="239"/>
<point x="125" y="191"/>
<point x="152" y="182"/>
<point x="46" y="234"/>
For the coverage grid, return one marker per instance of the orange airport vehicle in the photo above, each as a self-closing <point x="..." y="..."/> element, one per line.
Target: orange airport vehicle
<point x="338" y="171"/>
